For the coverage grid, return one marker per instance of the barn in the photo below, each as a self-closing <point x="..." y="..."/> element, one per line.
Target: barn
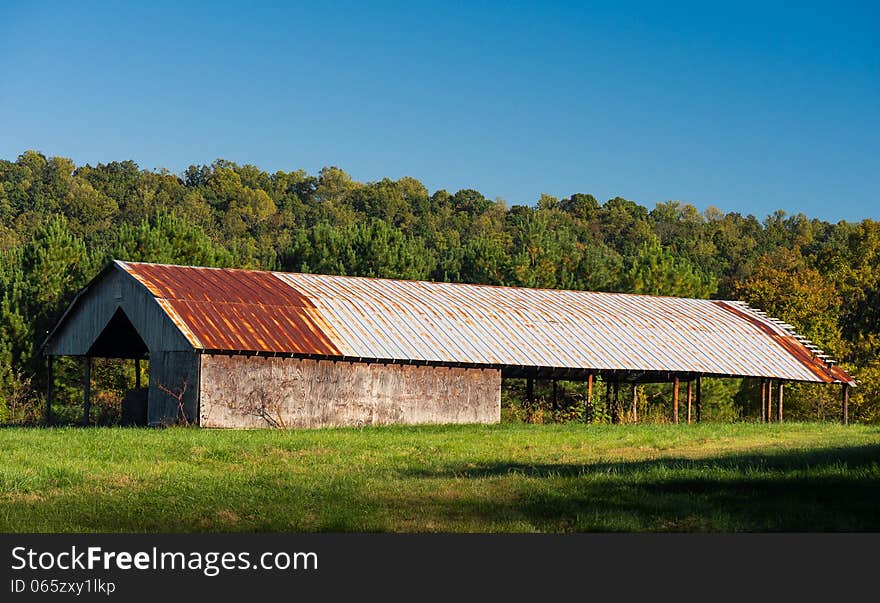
<point x="245" y="348"/>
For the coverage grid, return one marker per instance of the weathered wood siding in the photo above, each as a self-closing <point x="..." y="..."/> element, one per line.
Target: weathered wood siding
<point x="242" y="391"/>
<point x="177" y="372"/>
<point x="96" y="307"/>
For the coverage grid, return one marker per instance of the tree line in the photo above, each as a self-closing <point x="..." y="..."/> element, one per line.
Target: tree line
<point x="60" y="223"/>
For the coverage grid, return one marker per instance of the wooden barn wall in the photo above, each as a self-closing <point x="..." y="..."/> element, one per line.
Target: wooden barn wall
<point x="178" y="373"/>
<point x="242" y="391"/>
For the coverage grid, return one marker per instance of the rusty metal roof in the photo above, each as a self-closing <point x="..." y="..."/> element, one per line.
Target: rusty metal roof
<point x="415" y="321"/>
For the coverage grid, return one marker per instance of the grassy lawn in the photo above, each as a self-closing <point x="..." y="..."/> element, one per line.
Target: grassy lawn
<point x="501" y="478"/>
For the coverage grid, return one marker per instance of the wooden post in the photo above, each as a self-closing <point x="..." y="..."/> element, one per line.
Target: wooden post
<point x="846" y="403"/>
<point x="50" y="388"/>
<point x="608" y="409"/>
<point x="615" y="416"/>
<point x="137" y="373"/>
<point x="769" y="400"/>
<point x="530" y="392"/>
<point x="590" y="398"/>
<point x="763" y="400"/>
<point x="635" y="404"/>
<point x="699" y="398"/>
<point x="87" y="387"/>
<point x="779" y="402"/>
<point x="675" y="400"/>
<point x="555" y="403"/>
<point x="690" y="400"/>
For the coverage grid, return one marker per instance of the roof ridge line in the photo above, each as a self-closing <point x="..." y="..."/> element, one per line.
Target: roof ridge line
<point x="281" y="274"/>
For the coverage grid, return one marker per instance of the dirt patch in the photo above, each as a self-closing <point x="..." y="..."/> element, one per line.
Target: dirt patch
<point x="120" y="480"/>
<point x="228" y="516"/>
<point x="23" y="497"/>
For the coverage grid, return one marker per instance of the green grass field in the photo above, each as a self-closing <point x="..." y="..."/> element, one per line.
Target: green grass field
<point x="501" y="478"/>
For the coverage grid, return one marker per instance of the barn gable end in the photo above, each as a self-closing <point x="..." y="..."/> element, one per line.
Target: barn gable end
<point x="89" y="315"/>
<point x="99" y="323"/>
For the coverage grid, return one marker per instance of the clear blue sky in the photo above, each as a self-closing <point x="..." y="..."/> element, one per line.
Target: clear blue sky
<point x="750" y="107"/>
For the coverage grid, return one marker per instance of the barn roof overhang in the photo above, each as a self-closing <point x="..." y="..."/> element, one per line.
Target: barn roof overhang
<point x="554" y="334"/>
<point x="623" y="375"/>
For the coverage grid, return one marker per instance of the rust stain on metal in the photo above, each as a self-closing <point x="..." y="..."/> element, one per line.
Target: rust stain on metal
<point x="417" y="321"/>
<point x="216" y="285"/>
<point x="223" y="309"/>
<point x="826" y="373"/>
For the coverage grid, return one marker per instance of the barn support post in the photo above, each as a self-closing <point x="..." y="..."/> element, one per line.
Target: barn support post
<point x="690" y="401"/>
<point x="769" y="400"/>
<point x="699" y="398"/>
<point x="137" y="373"/>
<point x="779" y="402"/>
<point x="763" y="400"/>
<point x="675" y="400"/>
<point x="615" y="412"/>
<point x="50" y="387"/>
<point x="588" y="410"/>
<point x="530" y="393"/>
<point x="608" y="409"/>
<point x="635" y="404"/>
<point x="87" y="389"/>
<point x="846" y="403"/>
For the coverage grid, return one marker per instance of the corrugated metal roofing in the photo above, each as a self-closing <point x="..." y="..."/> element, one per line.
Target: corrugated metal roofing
<point x="414" y="321"/>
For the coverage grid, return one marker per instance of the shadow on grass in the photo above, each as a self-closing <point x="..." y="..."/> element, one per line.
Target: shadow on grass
<point x="814" y="460"/>
<point x="830" y="489"/>
<point x="822" y="490"/>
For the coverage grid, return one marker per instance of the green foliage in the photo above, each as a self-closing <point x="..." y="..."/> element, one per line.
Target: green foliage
<point x="785" y="287"/>
<point x="168" y="239"/>
<point x="656" y="271"/>
<point x="60" y="223"/>
<point x="864" y="406"/>
<point x="543" y="256"/>
<point x="373" y="248"/>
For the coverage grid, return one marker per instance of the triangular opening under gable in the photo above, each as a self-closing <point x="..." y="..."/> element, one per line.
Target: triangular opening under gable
<point x="119" y="339"/>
